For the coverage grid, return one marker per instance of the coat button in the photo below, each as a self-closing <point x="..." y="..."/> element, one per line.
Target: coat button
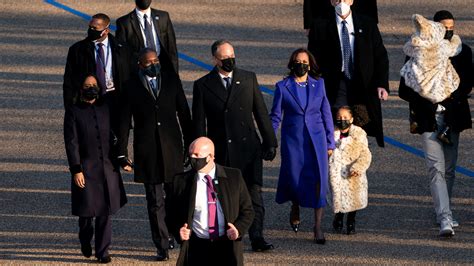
<point x="244" y="139"/>
<point x="229" y="141"/>
<point x="240" y="108"/>
<point x="226" y="110"/>
<point x="159" y="124"/>
<point x="242" y="123"/>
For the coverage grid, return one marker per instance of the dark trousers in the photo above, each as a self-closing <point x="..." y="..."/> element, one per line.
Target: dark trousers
<point x="256" y="229"/>
<point x="103" y="233"/>
<point x="343" y="91"/>
<point x="207" y="252"/>
<point x="155" y="198"/>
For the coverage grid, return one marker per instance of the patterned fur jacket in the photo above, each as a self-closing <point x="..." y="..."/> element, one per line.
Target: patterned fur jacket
<point x="429" y="71"/>
<point x="351" y="154"/>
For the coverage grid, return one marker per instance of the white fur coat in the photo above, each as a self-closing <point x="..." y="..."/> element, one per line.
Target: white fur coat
<point x="351" y="154"/>
<point x="429" y="71"/>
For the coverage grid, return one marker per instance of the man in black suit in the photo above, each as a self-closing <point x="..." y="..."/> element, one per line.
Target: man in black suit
<point x="213" y="210"/>
<point x="155" y="99"/>
<point x="101" y="54"/>
<point x="225" y="103"/>
<point x="313" y="9"/>
<point x="354" y="64"/>
<point x="152" y="28"/>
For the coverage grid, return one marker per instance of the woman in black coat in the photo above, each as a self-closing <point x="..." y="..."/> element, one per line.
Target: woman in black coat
<point x="96" y="186"/>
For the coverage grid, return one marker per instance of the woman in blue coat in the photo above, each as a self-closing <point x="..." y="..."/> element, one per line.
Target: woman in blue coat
<point x="97" y="189"/>
<point x="301" y="106"/>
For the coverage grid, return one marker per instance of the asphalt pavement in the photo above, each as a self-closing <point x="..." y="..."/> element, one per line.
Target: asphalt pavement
<point x="36" y="225"/>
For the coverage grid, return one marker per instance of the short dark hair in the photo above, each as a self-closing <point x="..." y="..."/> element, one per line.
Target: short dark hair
<point x="314" y="68"/>
<point x="217" y="44"/>
<point x="145" y="51"/>
<point x="103" y="17"/>
<point x="442" y="15"/>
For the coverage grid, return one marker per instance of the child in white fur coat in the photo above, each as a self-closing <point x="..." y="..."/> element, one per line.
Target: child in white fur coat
<point x="347" y="170"/>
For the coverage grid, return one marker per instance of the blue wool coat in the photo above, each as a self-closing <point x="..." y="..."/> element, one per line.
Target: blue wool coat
<point x="306" y="135"/>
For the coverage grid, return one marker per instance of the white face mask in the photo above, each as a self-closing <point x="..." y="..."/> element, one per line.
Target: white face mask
<point x="343" y="9"/>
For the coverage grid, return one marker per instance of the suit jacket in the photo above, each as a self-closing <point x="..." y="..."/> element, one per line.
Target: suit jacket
<point x="370" y="65"/>
<point x="422" y="111"/>
<point x="313" y="9"/>
<point x="81" y="61"/>
<point x="129" y="32"/>
<point x="228" y="120"/>
<point x="88" y="148"/>
<point x="233" y="197"/>
<point x="160" y="125"/>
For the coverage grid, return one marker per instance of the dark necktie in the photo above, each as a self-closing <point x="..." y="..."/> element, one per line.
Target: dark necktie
<point x="227" y="83"/>
<point x="150" y="40"/>
<point x="100" y="66"/>
<point x="212" y="209"/>
<point x="154" y="86"/>
<point x="347" y="52"/>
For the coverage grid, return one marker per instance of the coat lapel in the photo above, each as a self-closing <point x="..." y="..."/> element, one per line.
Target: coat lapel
<point x="235" y="89"/>
<point x="145" y="84"/>
<point x="215" y="86"/>
<point x="291" y="86"/>
<point x="312" y="90"/>
<point x="136" y="27"/>
<point x="192" y="197"/>
<point x="333" y="32"/>
<point x="157" y="24"/>
<point x="358" y="33"/>
<point x="222" y="189"/>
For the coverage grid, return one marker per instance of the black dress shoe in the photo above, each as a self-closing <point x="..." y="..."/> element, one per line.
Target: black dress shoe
<point x="170" y="242"/>
<point x="337" y="225"/>
<point x="260" y="245"/>
<point x="86" y="250"/>
<point x="351" y="228"/>
<point x="105" y="259"/>
<point x="162" y="256"/>
<point x="321" y="241"/>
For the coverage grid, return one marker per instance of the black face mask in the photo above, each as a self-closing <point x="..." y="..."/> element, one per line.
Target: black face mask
<point x="143" y="4"/>
<point x="198" y="163"/>
<point x="228" y="64"/>
<point x="90" y="94"/>
<point x="300" y="69"/>
<point x="343" y="124"/>
<point x="449" y="34"/>
<point x="94" y="34"/>
<point x="152" y="70"/>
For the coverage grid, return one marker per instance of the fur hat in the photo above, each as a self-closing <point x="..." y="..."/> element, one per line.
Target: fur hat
<point x="429" y="71"/>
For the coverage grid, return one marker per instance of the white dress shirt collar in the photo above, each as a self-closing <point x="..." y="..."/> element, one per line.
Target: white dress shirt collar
<point x="140" y="13"/>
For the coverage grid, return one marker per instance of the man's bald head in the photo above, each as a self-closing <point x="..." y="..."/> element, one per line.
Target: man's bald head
<point x="201" y="147"/>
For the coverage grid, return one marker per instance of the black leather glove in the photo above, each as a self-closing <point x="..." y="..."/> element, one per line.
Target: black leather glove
<point x="124" y="161"/>
<point x="269" y="154"/>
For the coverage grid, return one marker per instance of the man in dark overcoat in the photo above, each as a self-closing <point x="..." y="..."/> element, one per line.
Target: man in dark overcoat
<point x="354" y="63"/>
<point x="161" y="121"/>
<point x="225" y="103"/>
